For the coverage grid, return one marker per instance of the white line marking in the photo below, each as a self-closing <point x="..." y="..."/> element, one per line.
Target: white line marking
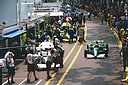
<point x="38" y="82"/>
<point x="23" y="81"/>
<point x="5" y="82"/>
<point x="9" y="79"/>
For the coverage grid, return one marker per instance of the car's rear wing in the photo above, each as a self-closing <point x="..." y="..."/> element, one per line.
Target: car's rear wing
<point x="99" y="41"/>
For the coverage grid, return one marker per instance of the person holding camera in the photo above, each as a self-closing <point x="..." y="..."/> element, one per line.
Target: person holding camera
<point x="10" y="64"/>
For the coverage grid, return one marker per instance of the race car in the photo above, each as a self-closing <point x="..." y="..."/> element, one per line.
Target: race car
<point x="41" y="55"/>
<point x="97" y="49"/>
<point x="66" y="37"/>
<point x="41" y="62"/>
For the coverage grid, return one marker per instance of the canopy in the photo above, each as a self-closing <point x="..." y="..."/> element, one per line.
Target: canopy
<point x="14" y="34"/>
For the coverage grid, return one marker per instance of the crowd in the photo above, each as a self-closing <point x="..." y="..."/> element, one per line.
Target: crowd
<point x="54" y="55"/>
<point x="112" y="14"/>
<point x="65" y="28"/>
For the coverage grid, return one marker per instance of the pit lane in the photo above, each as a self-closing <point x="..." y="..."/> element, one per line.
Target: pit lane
<point x="84" y="71"/>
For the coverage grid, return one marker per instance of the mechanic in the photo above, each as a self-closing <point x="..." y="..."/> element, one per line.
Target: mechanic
<point x="71" y="34"/>
<point x="55" y="59"/>
<point x="48" y="65"/>
<point x="81" y="32"/>
<point x="1" y="66"/>
<point x="60" y="54"/>
<point x="47" y="39"/>
<point x="56" y="41"/>
<point x="57" y="32"/>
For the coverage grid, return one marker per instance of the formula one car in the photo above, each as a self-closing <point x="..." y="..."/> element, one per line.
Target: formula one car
<point x="41" y="55"/>
<point x="41" y="62"/>
<point x="97" y="49"/>
<point x="66" y="37"/>
<point x="65" y="33"/>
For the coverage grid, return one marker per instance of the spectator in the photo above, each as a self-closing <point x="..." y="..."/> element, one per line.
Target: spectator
<point x="124" y="51"/>
<point x="1" y="66"/>
<point x="102" y="18"/>
<point x="117" y="25"/>
<point x="10" y="64"/>
<point x="31" y="66"/>
<point x="4" y="23"/>
<point x="84" y="19"/>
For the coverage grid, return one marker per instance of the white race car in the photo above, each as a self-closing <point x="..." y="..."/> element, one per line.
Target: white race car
<point x="42" y="52"/>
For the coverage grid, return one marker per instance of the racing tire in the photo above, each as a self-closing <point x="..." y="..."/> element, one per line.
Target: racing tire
<point x="87" y="47"/>
<point x="106" y="53"/>
<point x="107" y="47"/>
<point x="85" y="54"/>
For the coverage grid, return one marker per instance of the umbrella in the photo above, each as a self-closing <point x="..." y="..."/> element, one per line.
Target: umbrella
<point x="66" y="24"/>
<point x="68" y="19"/>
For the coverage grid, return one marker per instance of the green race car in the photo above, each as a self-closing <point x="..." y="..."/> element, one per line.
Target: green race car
<point x="97" y="49"/>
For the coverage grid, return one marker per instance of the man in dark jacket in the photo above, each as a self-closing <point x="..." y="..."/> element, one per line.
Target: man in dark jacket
<point x="124" y="51"/>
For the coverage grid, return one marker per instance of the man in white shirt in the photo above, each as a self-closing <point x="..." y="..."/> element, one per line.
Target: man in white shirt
<point x="31" y="66"/>
<point x="9" y="56"/>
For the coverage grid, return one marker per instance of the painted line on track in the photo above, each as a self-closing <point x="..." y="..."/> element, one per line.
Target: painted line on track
<point x="5" y="82"/>
<point x="70" y="53"/>
<point x="23" y="81"/>
<point x="85" y="31"/>
<point x="66" y="72"/>
<point x="48" y="82"/>
<point x="53" y="74"/>
<point x="120" y="43"/>
<point x="38" y="82"/>
<point x="74" y="59"/>
<point x="16" y="78"/>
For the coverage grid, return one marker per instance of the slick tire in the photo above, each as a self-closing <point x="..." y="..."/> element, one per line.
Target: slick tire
<point x="85" y="54"/>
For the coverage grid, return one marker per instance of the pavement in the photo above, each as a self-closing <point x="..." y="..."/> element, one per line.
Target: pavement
<point x="79" y="70"/>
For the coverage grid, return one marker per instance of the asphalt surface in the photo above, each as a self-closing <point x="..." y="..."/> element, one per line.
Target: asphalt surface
<point x="78" y="70"/>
